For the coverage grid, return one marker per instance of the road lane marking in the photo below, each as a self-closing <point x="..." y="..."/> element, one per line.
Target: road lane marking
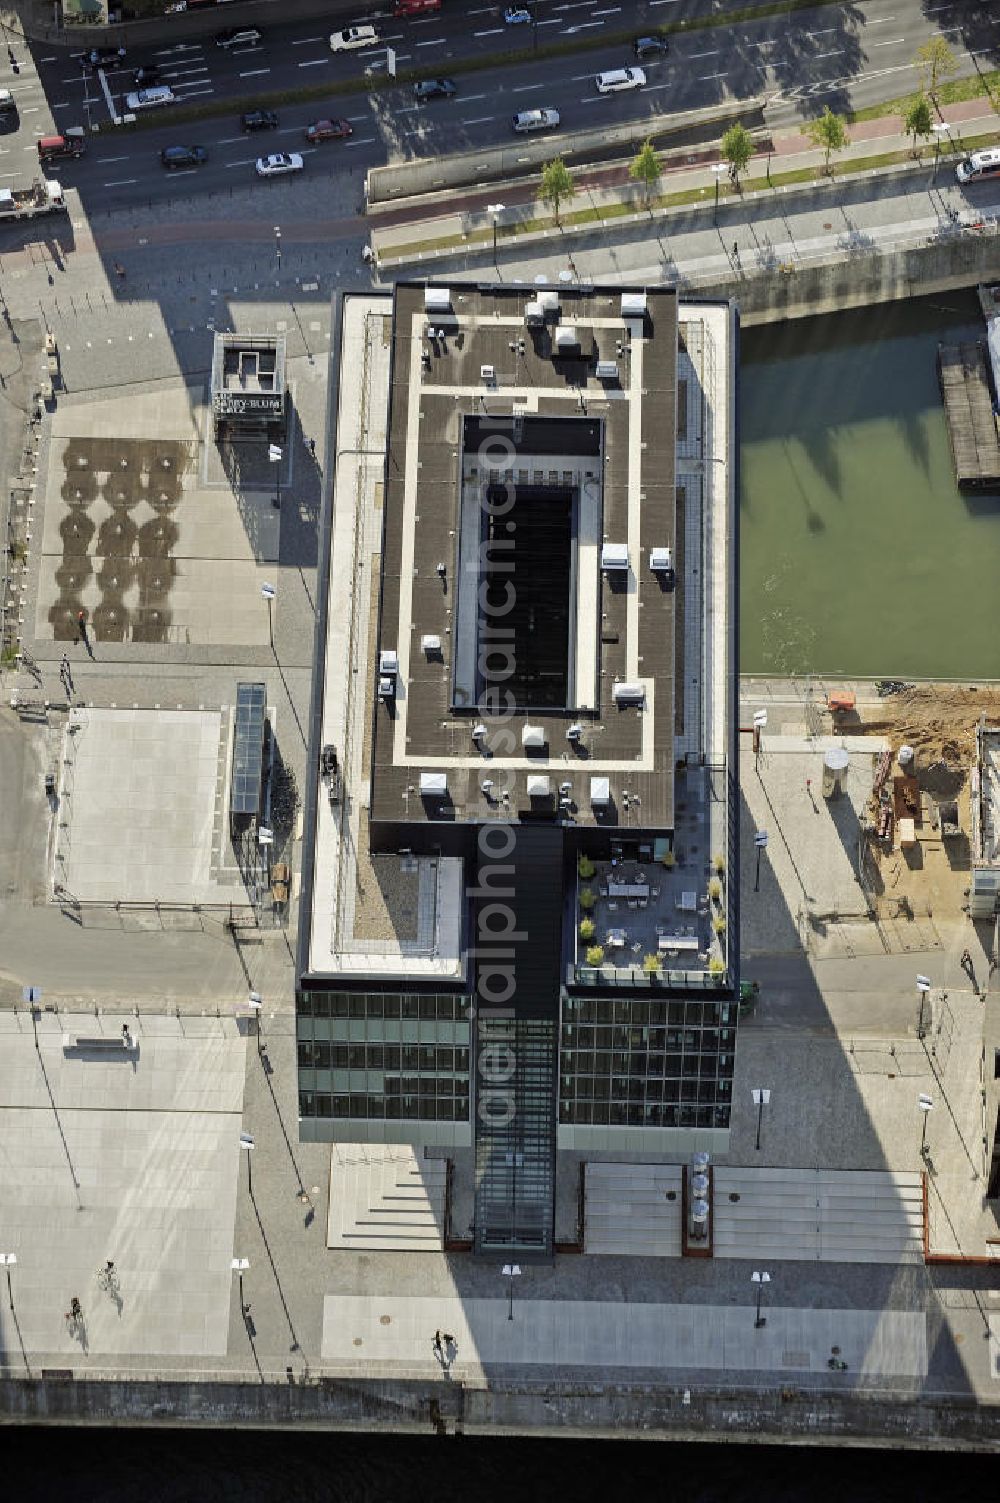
<point x="255" y="72"/>
<point x="104" y="161"/>
<point x="479" y="120"/>
<point x="314" y="62"/>
<point x="437" y="42"/>
<point x="894" y="43"/>
<point x="251" y="162"/>
<point x="704" y="77"/>
<point x="838" y="52"/>
<point x="470" y="98"/>
<point x="304" y="41"/>
<point x="693" y="55"/>
<point x="496" y="32"/>
<point x="122" y="182"/>
<point x="362" y="141"/>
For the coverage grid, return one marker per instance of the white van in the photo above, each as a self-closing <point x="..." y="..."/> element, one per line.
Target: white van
<point x="150" y="99"/>
<point x="619" y="79"/>
<point x="529" y="120"/>
<point x="352" y="37"/>
<point x="981" y="165"/>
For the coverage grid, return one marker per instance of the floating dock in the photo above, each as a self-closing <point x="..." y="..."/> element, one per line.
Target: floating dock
<point x="964" y="378"/>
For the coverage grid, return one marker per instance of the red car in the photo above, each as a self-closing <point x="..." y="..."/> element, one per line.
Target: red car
<point x="329" y="130"/>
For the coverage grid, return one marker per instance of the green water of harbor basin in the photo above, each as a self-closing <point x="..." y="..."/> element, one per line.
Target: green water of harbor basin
<point x="859" y="556"/>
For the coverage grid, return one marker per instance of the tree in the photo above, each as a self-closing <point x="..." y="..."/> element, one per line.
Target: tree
<point x="595" y="955"/>
<point x="557" y="184"/>
<point x="936" y="62"/>
<point x="645" y="169"/>
<point x="917" y="119"/>
<point x="829" y="132"/>
<point x="737" y="149"/>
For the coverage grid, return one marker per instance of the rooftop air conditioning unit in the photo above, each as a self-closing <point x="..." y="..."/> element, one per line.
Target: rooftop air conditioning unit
<point x="433" y="785"/>
<point x="388" y="661"/>
<point x="661" y="560"/>
<point x="600" y="792"/>
<point x="614" y="557"/>
<point x="566" y="340"/>
<point x="634" y="305"/>
<point x="575" y="732"/>
<point x="549" y="302"/>
<point x="629" y="694"/>
<point x="606" y="370"/>
<point x="534" y="314"/>
<point x="488" y="374"/>
<point x="533" y="737"/>
<point x="437" y="300"/>
<point x="431" y="646"/>
<point x="539" y="786"/>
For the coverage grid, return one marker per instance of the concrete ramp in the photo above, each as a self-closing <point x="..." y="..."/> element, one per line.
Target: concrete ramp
<point x="829" y="1215"/>
<point x="628" y="1210"/>
<point x="385" y="1199"/>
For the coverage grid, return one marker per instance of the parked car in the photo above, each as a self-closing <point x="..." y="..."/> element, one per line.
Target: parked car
<point x="150" y="99"/>
<point x="329" y="130"/>
<point x="173" y="157"/>
<point x="644" y="47"/>
<point x="238" y="36"/>
<point x="434" y="88"/>
<point x="9" y="119"/>
<point x="279" y="164"/>
<point x="352" y="37"/>
<point x="149" y="73"/>
<point x="530" y="120"/>
<point x="102" y="57"/>
<point x="517" y="15"/>
<point x="258" y="120"/>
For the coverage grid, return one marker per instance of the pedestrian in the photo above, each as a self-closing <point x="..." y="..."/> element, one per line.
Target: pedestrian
<point x="736" y="250"/>
<point x="127" y="1042"/>
<point x="119" y="271"/>
<point x="312" y="447"/>
<point x="75" y="1309"/>
<point x="966" y="962"/>
<point x="438" y="1348"/>
<point x="81" y="623"/>
<point x="993" y="961"/>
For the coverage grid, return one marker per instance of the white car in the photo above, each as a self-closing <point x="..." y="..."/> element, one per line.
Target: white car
<point x="354" y="36"/>
<point x="278" y="164"/>
<point x="619" y="79"/>
<point x="517" y="15"/>
<point x="526" y="121"/>
<point x="150" y="99"/>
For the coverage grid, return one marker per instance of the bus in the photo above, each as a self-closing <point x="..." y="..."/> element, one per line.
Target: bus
<point x="978" y="167"/>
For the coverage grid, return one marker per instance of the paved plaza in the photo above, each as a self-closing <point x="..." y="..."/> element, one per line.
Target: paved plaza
<point x="143" y="807"/>
<point x="129" y="1155"/>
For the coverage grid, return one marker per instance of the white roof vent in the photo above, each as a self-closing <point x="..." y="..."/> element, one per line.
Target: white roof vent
<point x="549" y="301"/>
<point x="606" y="370"/>
<point x="629" y="694"/>
<point x="533" y="736"/>
<point x="433" y="785"/>
<point x="614" y="557"/>
<point x="633" y="305"/>
<point x="566" y="338"/>
<point x="488" y="373"/>
<point x="437" y="300"/>
<point x="534" y="313"/>
<point x="600" y="792"/>
<point x="539" y="786"/>
<point x="388" y="660"/>
<point x="661" y="560"/>
<point x="431" y="645"/>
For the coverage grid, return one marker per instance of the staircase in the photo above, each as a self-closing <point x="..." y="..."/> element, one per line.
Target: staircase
<point x="385" y="1199"/>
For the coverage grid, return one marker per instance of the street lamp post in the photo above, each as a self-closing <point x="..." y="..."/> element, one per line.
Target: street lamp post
<point x="760" y="1279"/>
<point x="8" y="1260"/>
<point x="255" y="1002"/>
<point x="761" y="1098"/>
<point x="247" y="1142"/>
<point x="940" y="128"/>
<point x="720" y="169"/>
<point x="923" y="987"/>
<point x="240" y="1267"/>
<point x="277" y="244"/>
<point x="493" y="210"/>
<point x="274" y="455"/>
<point x="759" y="727"/>
<point x="760" y="841"/>
<point x="926" y="1105"/>
<point x="268" y="593"/>
<point x="510" y="1271"/>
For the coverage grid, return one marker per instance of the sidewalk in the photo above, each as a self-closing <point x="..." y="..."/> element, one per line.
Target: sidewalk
<point x="607" y="193"/>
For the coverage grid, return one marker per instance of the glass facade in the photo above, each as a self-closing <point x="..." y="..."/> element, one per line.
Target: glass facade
<point x="634" y="1062"/>
<point x="515" y="1135"/>
<point x="393" y="1057"/>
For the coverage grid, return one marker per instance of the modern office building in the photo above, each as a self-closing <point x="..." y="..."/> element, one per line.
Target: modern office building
<point x="518" y="935"/>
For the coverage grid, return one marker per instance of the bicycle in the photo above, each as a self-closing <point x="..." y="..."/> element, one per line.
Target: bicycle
<point x="107" y="1280"/>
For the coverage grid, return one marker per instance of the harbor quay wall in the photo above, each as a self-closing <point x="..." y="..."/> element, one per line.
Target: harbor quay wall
<point x="793" y="1414"/>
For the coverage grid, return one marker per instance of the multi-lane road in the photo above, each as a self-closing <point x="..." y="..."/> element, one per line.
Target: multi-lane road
<point x="844" y="56"/>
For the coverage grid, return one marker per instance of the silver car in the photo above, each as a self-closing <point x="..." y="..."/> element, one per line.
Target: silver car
<point x="280" y="163"/>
